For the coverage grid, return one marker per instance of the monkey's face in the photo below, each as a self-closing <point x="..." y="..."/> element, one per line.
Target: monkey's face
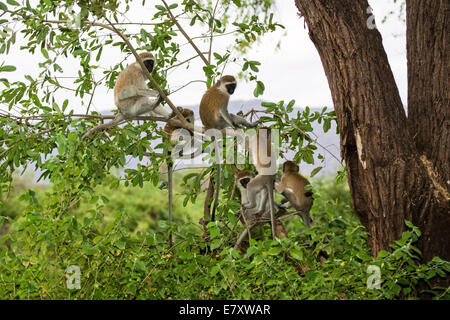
<point x="230" y="87"/>
<point x="243" y="178"/>
<point x="244" y="182"/>
<point x="149" y="64"/>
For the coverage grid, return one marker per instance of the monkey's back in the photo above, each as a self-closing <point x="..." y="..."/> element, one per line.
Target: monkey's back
<point x="130" y="76"/>
<point x="297" y="182"/>
<point x="211" y="102"/>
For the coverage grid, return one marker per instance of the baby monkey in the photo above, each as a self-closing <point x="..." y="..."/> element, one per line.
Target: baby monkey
<point x="292" y="186"/>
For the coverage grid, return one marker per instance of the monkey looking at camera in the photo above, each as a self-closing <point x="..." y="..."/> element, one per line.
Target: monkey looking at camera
<point x="292" y="186"/>
<point x="214" y="107"/>
<point x="132" y="96"/>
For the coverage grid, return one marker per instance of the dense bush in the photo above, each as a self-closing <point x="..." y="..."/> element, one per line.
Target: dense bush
<point x="123" y="254"/>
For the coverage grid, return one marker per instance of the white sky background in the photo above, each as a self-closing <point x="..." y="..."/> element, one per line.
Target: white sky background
<point x="292" y="71"/>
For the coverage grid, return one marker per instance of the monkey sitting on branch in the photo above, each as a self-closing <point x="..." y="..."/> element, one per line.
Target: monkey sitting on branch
<point x="214" y="115"/>
<point x="132" y="96"/>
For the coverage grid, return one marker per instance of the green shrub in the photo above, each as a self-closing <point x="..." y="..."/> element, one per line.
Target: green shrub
<point x="123" y="254"/>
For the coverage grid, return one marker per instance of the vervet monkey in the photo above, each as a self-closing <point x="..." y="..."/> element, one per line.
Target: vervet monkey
<point x="292" y="186"/>
<point x="214" y="115"/>
<point x="169" y="129"/>
<point x="214" y="107"/>
<point x="132" y="96"/>
<point x="242" y="178"/>
<point x="265" y="161"/>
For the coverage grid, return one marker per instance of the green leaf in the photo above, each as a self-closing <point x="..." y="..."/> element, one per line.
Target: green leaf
<point x="382" y="254"/>
<point x="44" y="53"/>
<point x="64" y="106"/>
<point x="7" y="68"/>
<point x="215" y="244"/>
<point x="316" y="171"/>
<point x="3" y="6"/>
<point x="61" y="144"/>
<point x="237" y="3"/>
<point x="326" y="125"/>
<point x="12" y="2"/>
<point x="214" y="232"/>
<point x="259" y="90"/>
<point x="120" y="244"/>
<point x="296" y="254"/>
<point x="90" y="251"/>
<point x="290" y="106"/>
<point x="268" y="104"/>
<point x="274" y="251"/>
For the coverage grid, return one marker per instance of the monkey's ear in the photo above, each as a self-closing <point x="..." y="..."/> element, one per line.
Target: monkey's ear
<point x="283" y="168"/>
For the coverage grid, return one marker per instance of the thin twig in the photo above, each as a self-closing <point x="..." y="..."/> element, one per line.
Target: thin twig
<point x="212" y="32"/>
<point x="181" y="63"/>
<point x="175" y="21"/>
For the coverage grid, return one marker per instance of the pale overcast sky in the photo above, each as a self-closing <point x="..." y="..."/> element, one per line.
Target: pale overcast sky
<point x="293" y="71"/>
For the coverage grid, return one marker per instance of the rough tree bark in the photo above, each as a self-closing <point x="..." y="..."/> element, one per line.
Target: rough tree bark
<point x="428" y="101"/>
<point x="391" y="178"/>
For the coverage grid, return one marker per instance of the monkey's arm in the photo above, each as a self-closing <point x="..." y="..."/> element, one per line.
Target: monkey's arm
<point x="279" y="186"/>
<point x="226" y="117"/>
<point x="131" y="91"/>
<point x="241" y="122"/>
<point x="148" y="93"/>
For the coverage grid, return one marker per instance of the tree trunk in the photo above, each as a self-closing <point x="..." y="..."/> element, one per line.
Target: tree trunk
<point x="389" y="181"/>
<point x="428" y="103"/>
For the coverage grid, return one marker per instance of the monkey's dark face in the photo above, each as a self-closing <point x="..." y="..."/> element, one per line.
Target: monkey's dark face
<point x="230" y="87"/>
<point x="149" y="64"/>
<point x="244" y="182"/>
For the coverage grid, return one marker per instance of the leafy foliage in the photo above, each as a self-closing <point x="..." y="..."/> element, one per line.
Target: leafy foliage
<point x="103" y="220"/>
<point x="120" y="260"/>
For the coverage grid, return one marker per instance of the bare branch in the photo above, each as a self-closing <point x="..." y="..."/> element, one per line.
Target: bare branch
<point x="181" y="63"/>
<point x="175" y="21"/>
